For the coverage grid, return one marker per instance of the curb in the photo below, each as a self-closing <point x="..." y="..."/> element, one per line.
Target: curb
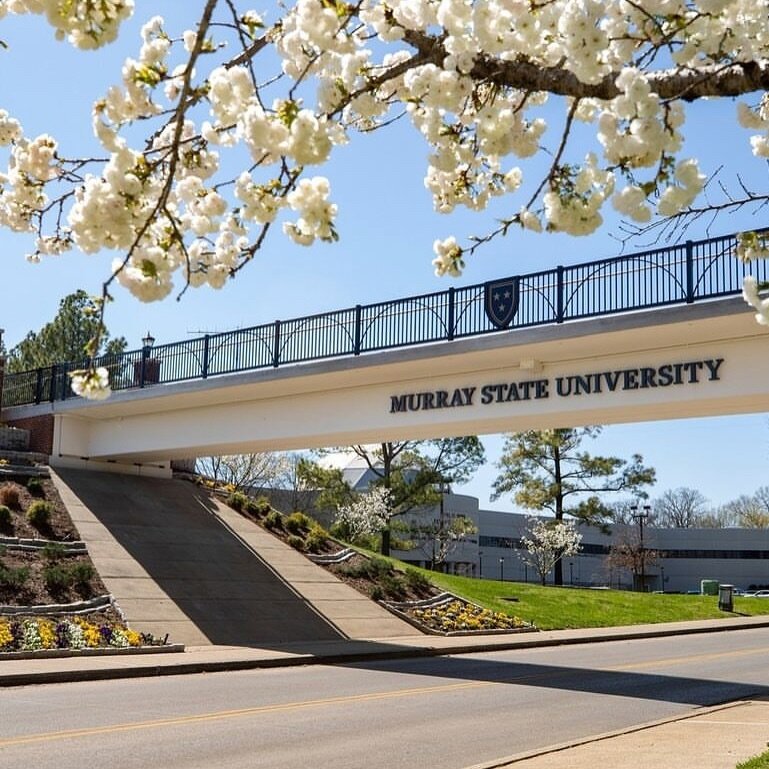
<point x="173" y="667"/>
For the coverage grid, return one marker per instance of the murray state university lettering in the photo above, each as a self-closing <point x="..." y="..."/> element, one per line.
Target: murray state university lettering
<point x="641" y="378"/>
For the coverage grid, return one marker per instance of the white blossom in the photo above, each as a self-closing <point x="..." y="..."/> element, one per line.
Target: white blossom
<point x="367" y="515"/>
<point x="214" y="137"/>
<point x="546" y="542"/>
<point x="91" y="384"/>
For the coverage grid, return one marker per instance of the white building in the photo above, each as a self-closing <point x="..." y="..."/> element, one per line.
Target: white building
<point x="733" y="556"/>
<point x="739" y="557"/>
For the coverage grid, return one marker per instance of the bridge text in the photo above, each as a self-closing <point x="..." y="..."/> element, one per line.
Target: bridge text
<point x="641" y="378"/>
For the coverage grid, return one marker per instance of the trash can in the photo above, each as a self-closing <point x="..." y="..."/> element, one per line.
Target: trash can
<point x="709" y="587"/>
<point x="726" y="597"/>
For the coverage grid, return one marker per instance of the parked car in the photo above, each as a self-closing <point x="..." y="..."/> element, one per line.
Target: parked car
<point x="761" y="594"/>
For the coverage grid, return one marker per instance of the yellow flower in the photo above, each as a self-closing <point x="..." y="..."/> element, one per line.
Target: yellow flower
<point x="47" y="633"/>
<point x="6" y="637"/>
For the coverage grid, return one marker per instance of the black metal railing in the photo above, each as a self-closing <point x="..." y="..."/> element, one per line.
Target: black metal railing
<point x="679" y="274"/>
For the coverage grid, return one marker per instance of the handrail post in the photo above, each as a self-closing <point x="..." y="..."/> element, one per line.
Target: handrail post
<point x="52" y="390"/>
<point x="356" y="342"/>
<point x="39" y="386"/>
<point x="689" y="272"/>
<point x="559" y="295"/>
<point x="452" y="314"/>
<point x="143" y="372"/>
<point x="205" y="357"/>
<point x="276" y="345"/>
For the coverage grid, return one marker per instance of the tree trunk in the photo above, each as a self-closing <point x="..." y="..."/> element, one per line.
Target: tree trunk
<point x="558" y="568"/>
<point x="385" y="549"/>
<point x="558" y="573"/>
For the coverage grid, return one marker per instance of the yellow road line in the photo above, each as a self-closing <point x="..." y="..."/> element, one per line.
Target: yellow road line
<point x="353" y="698"/>
<point x="224" y="714"/>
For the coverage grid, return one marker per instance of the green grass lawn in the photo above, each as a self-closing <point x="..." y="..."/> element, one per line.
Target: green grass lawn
<point x="551" y="608"/>
<point x="554" y="608"/>
<point x="759" y="762"/>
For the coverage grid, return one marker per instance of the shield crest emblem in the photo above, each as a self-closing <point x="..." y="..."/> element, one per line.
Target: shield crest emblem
<point x="501" y="301"/>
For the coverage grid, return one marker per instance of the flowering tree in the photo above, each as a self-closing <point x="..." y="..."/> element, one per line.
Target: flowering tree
<point x="368" y="514"/>
<point x="547" y="542"/>
<point x="279" y="92"/>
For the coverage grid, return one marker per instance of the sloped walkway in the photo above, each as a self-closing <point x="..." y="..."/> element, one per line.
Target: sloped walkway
<point x="179" y="562"/>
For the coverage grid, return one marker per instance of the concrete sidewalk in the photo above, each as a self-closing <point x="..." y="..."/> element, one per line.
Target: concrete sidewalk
<point x="33" y="668"/>
<point x="712" y="738"/>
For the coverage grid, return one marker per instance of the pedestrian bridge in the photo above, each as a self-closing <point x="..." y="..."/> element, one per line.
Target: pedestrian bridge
<point x="656" y="335"/>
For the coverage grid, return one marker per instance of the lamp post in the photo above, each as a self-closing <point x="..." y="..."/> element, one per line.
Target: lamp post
<point x="662" y="572"/>
<point x="502" y="569"/>
<point x="525" y="571"/>
<point x="571" y="572"/>
<point x="147" y="341"/>
<point x="641" y="515"/>
<point x="480" y="564"/>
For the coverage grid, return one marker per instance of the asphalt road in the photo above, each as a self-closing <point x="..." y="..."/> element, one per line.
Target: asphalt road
<point x="446" y="712"/>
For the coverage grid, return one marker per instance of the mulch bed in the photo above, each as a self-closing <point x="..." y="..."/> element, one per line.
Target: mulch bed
<point x="60" y="528"/>
<point x="35" y="591"/>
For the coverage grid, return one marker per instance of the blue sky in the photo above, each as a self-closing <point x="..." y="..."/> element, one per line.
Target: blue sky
<point x="387" y="228"/>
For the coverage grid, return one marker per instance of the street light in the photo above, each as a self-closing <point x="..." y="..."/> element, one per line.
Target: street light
<point x="641" y="516"/>
<point x="480" y="564"/>
<point x="571" y="572"/>
<point x="501" y="569"/>
<point x="148" y="340"/>
<point x="662" y="571"/>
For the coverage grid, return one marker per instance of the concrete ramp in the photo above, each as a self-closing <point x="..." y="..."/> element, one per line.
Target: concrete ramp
<point x="179" y="562"/>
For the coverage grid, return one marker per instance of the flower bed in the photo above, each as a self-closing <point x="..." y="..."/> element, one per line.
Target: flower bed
<point x="37" y="633"/>
<point x="446" y="614"/>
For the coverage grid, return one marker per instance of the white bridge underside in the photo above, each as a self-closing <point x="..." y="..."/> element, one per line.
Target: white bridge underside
<point x="661" y="363"/>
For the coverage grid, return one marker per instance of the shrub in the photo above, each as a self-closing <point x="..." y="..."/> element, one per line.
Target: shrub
<point x="255" y="509"/>
<point x="296" y="523"/>
<point x="9" y="495"/>
<point x="82" y="573"/>
<point x="35" y="487"/>
<point x="296" y="542"/>
<point x="54" y="551"/>
<point x="377" y="594"/>
<point x="416" y="580"/>
<point x="39" y="514"/>
<point x="315" y="538"/>
<point x="237" y="501"/>
<point x="57" y="578"/>
<point x="261" y="505"/>
<point x="379" y="568"/>
<point x="15" y="579"/>
<point x="392" y="585"/>
<point x="273" y="520"/>
<point x="5" y="517"/>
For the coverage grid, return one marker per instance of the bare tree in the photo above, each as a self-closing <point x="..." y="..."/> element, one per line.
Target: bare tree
<point x="243" y="471"/>
<point x="680" y="508"/>
<point x="751" y="512"/>
<point x="438" y="538"/>
<point x="628" y="553"/>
